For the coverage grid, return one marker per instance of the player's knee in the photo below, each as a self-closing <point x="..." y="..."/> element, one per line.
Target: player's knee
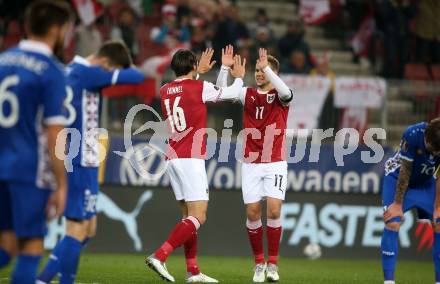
<point x="77" y="230"/>
<point x="253" y="214"/>
<point x="393" y="226"/>
<point x="31" y="246"/>
<point x="273" y="213"/>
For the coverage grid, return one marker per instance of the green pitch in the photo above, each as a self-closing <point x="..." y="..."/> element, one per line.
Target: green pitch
<point x="121" y="269"/>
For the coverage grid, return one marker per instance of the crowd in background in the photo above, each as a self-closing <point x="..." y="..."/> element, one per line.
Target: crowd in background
<point x="395" y="31"/>
<point x="400" y="32"/>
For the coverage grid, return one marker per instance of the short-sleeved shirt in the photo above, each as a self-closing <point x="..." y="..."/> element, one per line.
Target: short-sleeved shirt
<point x="32" y="92"/>
<point x="266" y="114"/>
<point x="413" y="149"/>
<point x="183" y="106"/>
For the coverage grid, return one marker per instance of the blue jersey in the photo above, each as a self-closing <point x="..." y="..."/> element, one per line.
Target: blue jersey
<point x="413" y="149"/>
<point x="32" y="91"/>
<point x="85" y="83"/>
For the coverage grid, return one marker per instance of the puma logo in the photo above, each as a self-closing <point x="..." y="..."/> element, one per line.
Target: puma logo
<point x="110" y="209"/>
<point x="114" y="212"/>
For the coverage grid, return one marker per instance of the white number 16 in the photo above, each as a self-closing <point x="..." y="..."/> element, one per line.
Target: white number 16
<point x="177" y="116"/>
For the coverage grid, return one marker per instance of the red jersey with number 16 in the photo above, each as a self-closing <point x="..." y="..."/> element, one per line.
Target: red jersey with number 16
<point x="184" y="110"/>
<point x="267" y="114"/>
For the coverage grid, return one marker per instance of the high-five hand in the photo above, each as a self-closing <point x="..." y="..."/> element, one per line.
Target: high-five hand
<point x="205" y="63"/>
<point x="262" y="60"/>
<point x="228" y="56"/>
<point x="239" y="68"/>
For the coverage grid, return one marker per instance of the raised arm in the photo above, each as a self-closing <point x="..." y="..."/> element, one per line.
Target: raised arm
<point x="212" y="93"/>
<point x="227" y="62"/>
<point x="284" y="92"/>
<point x="100" y="78"/>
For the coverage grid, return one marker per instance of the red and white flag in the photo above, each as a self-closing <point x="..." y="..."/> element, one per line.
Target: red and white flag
<point x="309" y="97"/>
<point x="88" y="10"/>
<point x="314" y="11"/>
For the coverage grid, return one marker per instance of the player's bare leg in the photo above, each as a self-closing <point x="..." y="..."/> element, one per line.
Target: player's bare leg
<point x="92" y="225"/>
<point x="8" y="247"/>
<point x="255" y="233"/>
<point x="389" y="247"/>
<point x="273" y="237"/>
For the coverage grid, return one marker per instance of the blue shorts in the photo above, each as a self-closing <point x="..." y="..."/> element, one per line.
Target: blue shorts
<point x="82" y="193"/>
<point x="421" y="198"/>
<point x="23" y="209"/>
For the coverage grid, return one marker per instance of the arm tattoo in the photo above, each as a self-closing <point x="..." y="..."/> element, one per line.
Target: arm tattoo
<point x="403" y="180"/>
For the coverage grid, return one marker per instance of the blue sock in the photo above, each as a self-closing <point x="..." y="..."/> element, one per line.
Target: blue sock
<point x="5" y="258"/>
<point x="25" y="271"/>
<point x="436" y="256"/>
<point x="70" y="260"/>
<point x="389" y="246"/>
<point x="52" y="266"/>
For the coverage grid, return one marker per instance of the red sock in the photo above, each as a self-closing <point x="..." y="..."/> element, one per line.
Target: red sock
<point x="190" y="248"/>
<point x="273" y="239"/>
<point x="255" y="233"/>
<point x="179" y="235"/>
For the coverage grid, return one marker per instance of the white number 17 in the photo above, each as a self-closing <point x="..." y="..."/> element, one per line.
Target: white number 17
<point x="259" y="112"/>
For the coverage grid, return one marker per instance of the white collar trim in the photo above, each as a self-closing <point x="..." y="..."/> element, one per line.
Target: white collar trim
<point x="81" y="60"/>
<point x="262" y="92"/>
<point x="180" y="79"/>
<point x="35" y="46"/>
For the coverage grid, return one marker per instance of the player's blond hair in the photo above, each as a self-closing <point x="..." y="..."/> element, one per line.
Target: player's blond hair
<point x="274" y="63"/>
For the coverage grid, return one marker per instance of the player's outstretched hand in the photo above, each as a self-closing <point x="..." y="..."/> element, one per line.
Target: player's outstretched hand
<point x="239" y="68"/>
<point x="205" y="63"/>
<point x="262" y="61"/>
<point x="228" y="56"/>
<point x="57" y="203"/>
<point x="394" y="210"/>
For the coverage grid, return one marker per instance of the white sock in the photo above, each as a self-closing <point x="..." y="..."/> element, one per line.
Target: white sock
<point x="389" y="282"/>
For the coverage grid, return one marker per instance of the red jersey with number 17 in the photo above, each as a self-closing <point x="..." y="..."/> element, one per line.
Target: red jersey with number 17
<point x="184" y="110"/>
<point x="265" y="113"/>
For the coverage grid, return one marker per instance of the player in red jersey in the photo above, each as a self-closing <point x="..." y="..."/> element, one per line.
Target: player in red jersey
<point x="264" y="168"/>
<point x="183" y="104"/>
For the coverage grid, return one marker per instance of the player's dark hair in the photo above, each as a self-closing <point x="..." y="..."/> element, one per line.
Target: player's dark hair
<point x="274" y="63"/>
<point x="183" y="62"/>
<point x="432" y="134"/>
<point x="42" y="15"/>
<point x="116" y="52"/>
